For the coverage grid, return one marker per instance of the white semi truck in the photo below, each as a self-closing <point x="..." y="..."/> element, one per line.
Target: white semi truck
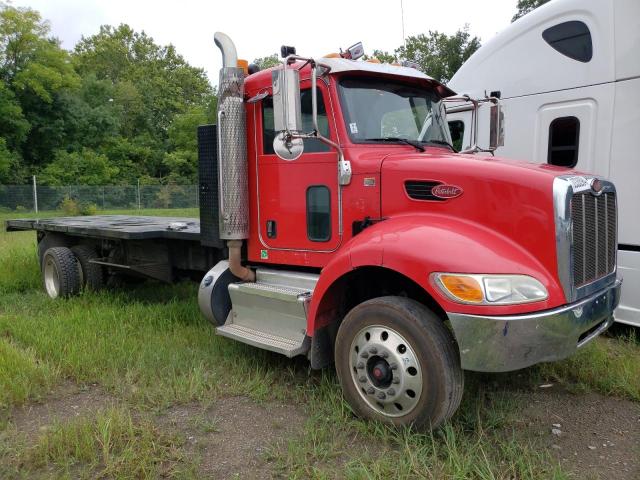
<point x="568" y="76"/>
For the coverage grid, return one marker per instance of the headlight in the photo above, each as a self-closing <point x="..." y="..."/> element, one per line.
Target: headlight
<point x="490" y="289"/>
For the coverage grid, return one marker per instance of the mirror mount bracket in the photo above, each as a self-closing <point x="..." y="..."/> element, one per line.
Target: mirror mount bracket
<point x="497" y="133"/>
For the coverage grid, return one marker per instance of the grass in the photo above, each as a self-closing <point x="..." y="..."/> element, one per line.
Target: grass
<point x="109" y="444"/>
<point x="149" y="348"/>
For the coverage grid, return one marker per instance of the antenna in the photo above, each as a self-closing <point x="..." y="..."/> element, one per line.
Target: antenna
<point x="404" y="42"/>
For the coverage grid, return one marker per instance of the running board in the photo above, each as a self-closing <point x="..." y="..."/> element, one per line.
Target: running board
<point x="271" y="313"/>
<point x="285" y="346"/>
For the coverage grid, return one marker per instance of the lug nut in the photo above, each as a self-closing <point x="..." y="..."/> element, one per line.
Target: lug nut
<point x="364" y="355"/>
<point x="391" y="391"/>
<point x="395" y="380"/>
<point x="360" y="365"/>
<point x="381" y="396"/>
<point x="370" y="390"/>
<point x="373" y="350"/>
<point x="384" y="355"/>
<point x="393" y="366"/>
<point x="362" y="379"/>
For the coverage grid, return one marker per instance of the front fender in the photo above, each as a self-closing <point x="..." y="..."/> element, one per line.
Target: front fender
<point x="418" y="244"/>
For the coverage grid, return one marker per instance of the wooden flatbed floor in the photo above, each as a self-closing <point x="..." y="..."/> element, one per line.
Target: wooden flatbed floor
<point x="124" y="227"/>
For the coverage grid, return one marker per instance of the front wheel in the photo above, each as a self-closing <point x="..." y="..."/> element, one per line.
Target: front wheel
<point x="398" y="363"/>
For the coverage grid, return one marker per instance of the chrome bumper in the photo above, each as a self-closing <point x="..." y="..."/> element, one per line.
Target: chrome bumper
<point x="504" y="343"/>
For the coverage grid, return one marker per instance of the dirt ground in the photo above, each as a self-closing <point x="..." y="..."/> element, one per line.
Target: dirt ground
<point x="593" y="436"/>
<point x="234" y="437"/>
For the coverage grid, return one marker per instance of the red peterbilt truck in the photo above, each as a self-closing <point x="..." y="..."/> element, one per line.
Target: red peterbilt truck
<point x="338" y="223"/>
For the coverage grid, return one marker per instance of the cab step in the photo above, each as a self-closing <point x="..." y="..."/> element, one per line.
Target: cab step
<point x="271" y="313"/>
<point x="286" y="346"/>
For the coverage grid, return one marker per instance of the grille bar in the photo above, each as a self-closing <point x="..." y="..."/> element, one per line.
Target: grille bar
<point x="594" y="236"/>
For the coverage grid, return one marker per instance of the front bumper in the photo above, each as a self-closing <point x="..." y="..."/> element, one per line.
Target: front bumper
<point x="504" y="343"/>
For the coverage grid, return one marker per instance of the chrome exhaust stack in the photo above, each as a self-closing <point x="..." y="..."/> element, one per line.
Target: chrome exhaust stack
<point x="233" y="190"/>
<point x="232" y="145"/>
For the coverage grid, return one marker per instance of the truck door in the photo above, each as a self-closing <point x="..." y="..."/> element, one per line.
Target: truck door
<point x="298" y="200"/>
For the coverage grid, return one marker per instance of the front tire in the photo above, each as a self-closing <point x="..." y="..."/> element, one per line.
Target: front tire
<point x="398" y="363"/>
<point x="60" y="272"/>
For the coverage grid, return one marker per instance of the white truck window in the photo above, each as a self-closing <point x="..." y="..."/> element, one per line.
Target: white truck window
<point x="572" y="39"/>
<point x="564" y="138"/>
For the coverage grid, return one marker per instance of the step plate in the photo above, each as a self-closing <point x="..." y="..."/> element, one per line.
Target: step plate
<point x="286" y="346"/>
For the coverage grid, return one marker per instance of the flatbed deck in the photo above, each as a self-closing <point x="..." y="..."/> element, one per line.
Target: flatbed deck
<point x="124" y="227"/>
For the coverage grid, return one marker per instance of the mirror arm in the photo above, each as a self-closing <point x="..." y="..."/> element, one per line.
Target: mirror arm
<point x="476" y="103"/>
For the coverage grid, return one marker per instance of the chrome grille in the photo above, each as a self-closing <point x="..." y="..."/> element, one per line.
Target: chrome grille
<point x="594" y="236"/>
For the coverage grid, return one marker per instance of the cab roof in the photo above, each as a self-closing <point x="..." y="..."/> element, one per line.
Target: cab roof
<point x="341" y="65"/>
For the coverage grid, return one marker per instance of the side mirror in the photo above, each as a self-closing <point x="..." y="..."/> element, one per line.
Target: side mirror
<point x="287" y="113"/>
<point x="496" y="126"/>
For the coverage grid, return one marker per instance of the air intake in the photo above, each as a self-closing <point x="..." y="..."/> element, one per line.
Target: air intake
<point x="421" y="190"/>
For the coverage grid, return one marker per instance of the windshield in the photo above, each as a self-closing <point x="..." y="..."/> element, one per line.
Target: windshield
<point x="379" y="109"/>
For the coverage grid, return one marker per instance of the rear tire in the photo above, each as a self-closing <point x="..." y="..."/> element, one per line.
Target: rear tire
<point x="51" y="240"/>
<point x="91" y="274"/>
<point x="398" y="363"/>
<point x="60" y="272"/>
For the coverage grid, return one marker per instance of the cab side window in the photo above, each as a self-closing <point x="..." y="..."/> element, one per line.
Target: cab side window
<point x="572" y="39"/>
<point x="310" y="145"/>
<point x="564" y="139"/>
<point x="456" y="127"/>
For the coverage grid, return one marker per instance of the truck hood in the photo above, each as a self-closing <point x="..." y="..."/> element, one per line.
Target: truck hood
<point x="513" y="199"/>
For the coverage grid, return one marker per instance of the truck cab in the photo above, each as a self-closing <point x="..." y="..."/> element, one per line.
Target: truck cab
<point x="373" y="241"/>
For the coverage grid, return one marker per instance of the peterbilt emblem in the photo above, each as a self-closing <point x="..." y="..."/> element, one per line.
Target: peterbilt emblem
<point x="596" y="186"/>
<point x="446" y="191"/>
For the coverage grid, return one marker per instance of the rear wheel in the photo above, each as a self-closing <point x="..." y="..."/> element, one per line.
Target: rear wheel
<point x="91" y="274"/>
<point x="398" y="363"/>
<point x="60" y="272"/>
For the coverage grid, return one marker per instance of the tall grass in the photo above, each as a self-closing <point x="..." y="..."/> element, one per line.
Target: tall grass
<point x="149" y="347"/>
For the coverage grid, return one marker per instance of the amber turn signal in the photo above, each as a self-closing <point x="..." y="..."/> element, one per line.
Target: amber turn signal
<point x="244" y="65"/>
<point x="463" y="288"/>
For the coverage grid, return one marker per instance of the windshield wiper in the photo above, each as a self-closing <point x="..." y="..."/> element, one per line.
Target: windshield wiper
<point x="442" y="142"/>
<point x="413" y="143"/>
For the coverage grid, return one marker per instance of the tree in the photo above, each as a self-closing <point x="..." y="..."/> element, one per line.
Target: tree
<point x="526" y="6"/>
<point x="151" y="85"/>
<point x="85" y="167"/>
<point x="5" y="162"/>
<point x="182" y="158"/>
<point x="438" y="54"/>
<point x="384" y="57"/>
<point x="34" y="71"/>
<point x="267" y="62"/>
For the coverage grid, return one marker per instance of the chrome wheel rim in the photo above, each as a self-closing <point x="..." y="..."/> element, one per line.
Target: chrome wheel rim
<point x="385" y="370"/>
<point x="51" y="278"/>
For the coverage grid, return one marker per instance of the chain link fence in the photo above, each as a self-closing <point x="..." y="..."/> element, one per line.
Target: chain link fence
<point x="32" y="198"/>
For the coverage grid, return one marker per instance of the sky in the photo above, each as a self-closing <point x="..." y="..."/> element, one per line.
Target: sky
<point x="258" y="28"/>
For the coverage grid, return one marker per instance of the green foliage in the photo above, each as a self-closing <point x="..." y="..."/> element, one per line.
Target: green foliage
<point x="71" y="207"/>
<point x="438" y="54"/>
<point x="182" y="159"/>
<point x="85" y="167"/>
<point x="526" y="6"/>
<point x="383" y="56"/>
<point x="102" y="113"/>
<point x="5" y="161"/>
<point x="267" y="62"/>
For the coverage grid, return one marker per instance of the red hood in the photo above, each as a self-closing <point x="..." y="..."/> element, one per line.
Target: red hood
<point x="514" y="199"/>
